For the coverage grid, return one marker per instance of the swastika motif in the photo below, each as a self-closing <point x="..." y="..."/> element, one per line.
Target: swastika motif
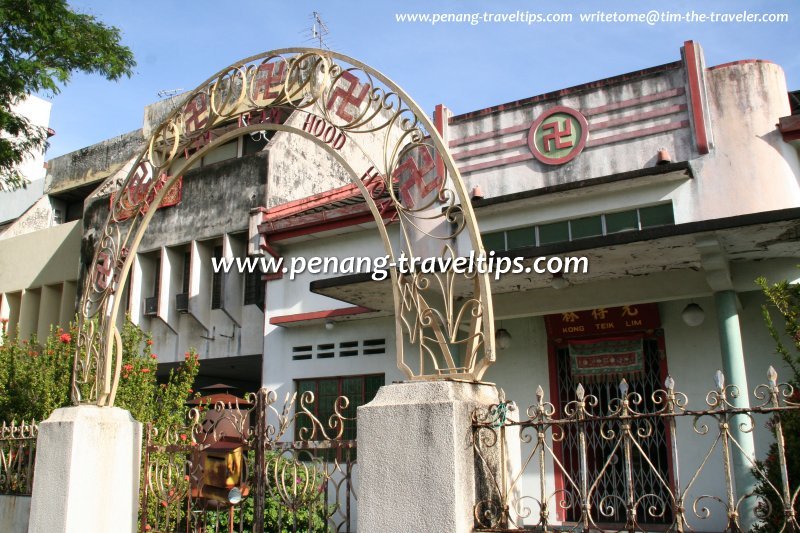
<point x="141" y="187"/>
<point x="195" y="114"/>
<point x="411" y="177"/>
<point x="268" y="80"/>
<point x="103" y="271"/>
<point x="558" y="135"/>
<point x="552" y="141"/>
<point x="347" y="95"/>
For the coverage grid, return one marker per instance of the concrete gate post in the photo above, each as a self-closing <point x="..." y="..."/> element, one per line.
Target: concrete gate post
<point x="86" y="478"/>
<point x="415" y="456"/>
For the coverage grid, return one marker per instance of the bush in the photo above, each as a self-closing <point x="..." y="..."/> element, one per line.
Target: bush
<point x="784" y="299"/>
<point x="35" y="378"/>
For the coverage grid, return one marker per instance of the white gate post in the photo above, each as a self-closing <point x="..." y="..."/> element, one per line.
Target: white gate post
<point x="86" y="478"/>
<point x="415" y="456"/>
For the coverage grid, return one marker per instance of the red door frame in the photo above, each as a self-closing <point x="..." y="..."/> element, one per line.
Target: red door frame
<point x="558" y="449"/>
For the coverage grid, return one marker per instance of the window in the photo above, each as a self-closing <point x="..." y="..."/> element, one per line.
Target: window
<point x="359" y="390"/>
<point x="495" y="241"/>
<point x="586" y="227"/>
<point x="187" y="261"/>
<point x="157" y="277"/>
<point x="555" y="232"/>
<point x="216" y="282"/>
<point x="519" y="238"/>
<point x="579" y="228"/>
<point x="622" y="221"/>
<point x="254" y="288"/>
<point x="657" y="215"/>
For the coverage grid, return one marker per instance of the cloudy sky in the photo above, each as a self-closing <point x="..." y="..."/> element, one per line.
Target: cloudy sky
<point x="462" y="65"/>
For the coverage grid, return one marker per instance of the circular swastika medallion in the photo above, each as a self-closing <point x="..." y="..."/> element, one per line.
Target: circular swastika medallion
<point x="558" y="135"/>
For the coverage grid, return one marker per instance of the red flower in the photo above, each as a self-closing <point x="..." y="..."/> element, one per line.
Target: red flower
<point x="183" y="436"/>
<point x="66" y="338"/>
<point x="128" y="367"/>
<point x="187" y="356"/>
<point x="145" y="371"/>
<point x="149" y="342"/>
<point x="153" y="356"/>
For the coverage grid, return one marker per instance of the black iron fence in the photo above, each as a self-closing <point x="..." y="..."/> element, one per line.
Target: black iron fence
<point x="614" y="464"/>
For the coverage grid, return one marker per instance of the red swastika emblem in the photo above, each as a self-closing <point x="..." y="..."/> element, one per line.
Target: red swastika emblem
<point x="415" y="178"/>
<point x="347" y="96"/>
<point x="195" y="114"/>
<point x="102" y="275"/>
<point x="552" y="141"/>
<point x="268" y="76"/>
<point x="558" y="135"/>
<point x="137" y="187"/>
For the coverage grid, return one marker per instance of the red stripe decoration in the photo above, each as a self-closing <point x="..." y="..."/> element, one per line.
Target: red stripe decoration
<point x="676" y="125"/>
<point x="698" y="115"/>
<point x="599" y="124"/>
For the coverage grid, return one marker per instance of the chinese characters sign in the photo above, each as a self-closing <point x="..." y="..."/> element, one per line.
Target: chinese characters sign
<point x="603" y="321"/>
<point x="558" y="135"/>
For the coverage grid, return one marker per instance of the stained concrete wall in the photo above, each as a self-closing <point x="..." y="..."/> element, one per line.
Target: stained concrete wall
<point x="14" y="513"/>
<point x="750" y="168"/>
<point x="215" y="201"/>
<point x="93" y="163"/>
<point x="744" y="102"/>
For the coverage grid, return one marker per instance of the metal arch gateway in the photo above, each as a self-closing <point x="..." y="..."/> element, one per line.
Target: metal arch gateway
<point x="394" y="150"/>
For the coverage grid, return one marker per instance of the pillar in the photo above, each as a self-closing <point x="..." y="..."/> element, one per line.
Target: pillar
<point x="733" y="366"/>
<point x="86" y="478"/>
<point x="415" y="456"/>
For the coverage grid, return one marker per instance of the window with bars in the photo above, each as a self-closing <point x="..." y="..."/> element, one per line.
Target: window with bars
<point x="216" y="282"/>
<point x="599" y="449"/>
<point x="359" y="390"/>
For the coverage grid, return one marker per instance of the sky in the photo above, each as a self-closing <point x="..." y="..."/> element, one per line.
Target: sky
<point x="177" y="45"/>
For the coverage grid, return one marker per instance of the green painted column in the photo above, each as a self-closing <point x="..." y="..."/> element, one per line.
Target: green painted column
<point x="733" y="366"/>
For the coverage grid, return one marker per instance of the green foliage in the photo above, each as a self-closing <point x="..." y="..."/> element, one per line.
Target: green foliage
<point x="42" y="43"/>
<point x="35" y="378"/>
<point x="784" y="300"/>
<point x="304" y="487"/>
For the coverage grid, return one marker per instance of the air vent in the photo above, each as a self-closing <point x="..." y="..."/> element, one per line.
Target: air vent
<point x="182" y="302"/>
<point x="344" y="349"/>
<point x="301" y="353"/>
<point x="374" y="346"/>
<point x="325" y="351"/>
<point x="348" y="349"/>
<point x="151" y="306"/>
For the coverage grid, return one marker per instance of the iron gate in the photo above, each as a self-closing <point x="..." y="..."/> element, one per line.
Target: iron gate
<point x="259" y="466"/>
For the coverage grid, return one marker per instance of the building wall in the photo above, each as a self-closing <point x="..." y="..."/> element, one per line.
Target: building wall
<point x="39" y="282"/>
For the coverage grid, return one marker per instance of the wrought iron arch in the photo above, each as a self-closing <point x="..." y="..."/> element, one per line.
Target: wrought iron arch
<point x="445" y="315"/>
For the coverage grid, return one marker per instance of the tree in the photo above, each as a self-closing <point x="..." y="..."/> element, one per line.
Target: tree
<point x="42" y="43"/>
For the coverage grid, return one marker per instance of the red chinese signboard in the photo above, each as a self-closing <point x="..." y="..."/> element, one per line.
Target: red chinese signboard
<point x="602" y="321"/>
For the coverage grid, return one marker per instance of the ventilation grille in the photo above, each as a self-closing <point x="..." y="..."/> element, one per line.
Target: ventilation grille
<point x="342" y="349"/>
